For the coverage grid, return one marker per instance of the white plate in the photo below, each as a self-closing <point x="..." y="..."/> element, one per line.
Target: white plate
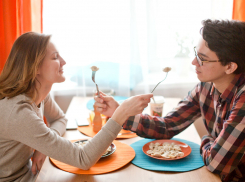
<point x="113" y="148"/>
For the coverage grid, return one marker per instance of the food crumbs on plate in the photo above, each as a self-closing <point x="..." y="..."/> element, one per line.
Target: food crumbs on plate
<point x="82" y="143"/>
<point x="166" y="150"/>
<point x="94" y="68"/>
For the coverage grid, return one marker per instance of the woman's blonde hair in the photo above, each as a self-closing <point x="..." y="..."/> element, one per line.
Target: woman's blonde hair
<point x="20" y="70"/>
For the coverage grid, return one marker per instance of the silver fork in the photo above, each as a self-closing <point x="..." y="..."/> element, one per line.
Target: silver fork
<point x="93" y="78"/>
<point x="125" y="133"/>
<point x="157" y="85"/>
<point x="159" y="82"/>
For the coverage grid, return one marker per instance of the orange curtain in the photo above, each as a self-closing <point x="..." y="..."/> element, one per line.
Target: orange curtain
<point x="238" y="10"/>
<point x="16" y="18"/>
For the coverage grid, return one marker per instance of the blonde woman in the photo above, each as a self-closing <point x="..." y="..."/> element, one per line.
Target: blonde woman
<point x="32" y="67"/>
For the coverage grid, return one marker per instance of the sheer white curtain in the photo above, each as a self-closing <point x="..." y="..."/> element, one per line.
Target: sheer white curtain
<point x="130" y="41"/>
<point x="164" y="34"/>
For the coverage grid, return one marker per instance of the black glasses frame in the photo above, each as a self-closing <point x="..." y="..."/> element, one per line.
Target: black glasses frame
<point x="200" y="61"/>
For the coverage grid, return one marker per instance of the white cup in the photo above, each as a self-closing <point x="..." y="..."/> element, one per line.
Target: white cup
<point x="156" y="108"/>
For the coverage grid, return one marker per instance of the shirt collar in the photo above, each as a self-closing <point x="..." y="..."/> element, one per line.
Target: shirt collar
<point x="230" y="91"/>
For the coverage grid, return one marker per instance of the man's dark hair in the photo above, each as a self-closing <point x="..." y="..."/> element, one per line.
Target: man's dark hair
<point x="227" y="39"/>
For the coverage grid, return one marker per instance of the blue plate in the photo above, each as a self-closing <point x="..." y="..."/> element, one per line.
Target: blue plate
<point x="119" y="99"/>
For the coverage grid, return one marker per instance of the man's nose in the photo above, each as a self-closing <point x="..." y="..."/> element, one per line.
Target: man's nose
<point x="194" y="62"/>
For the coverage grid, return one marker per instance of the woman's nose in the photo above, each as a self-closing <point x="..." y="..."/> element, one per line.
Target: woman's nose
<point x="62" y="61"/>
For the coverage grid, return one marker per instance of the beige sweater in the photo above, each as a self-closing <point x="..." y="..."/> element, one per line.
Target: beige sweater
<point x="22" y="130"/>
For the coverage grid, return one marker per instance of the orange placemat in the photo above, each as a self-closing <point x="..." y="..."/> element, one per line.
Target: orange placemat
<point x="122" y="156"/>
<point x="88" y="130"/>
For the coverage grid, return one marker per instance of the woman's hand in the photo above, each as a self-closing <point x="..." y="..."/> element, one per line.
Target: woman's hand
<point x="106" y="105"/>
<point x="37" y="161"/>
<point x="131" y="107"/>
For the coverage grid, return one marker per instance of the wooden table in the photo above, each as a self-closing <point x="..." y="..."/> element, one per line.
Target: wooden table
<point x="130" y="172"/>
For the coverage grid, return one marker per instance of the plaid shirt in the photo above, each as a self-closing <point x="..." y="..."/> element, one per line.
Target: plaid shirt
<point x="223" y="114"/>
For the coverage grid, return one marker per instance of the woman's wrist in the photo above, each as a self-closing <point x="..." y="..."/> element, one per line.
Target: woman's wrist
<point x="119" y="116"/>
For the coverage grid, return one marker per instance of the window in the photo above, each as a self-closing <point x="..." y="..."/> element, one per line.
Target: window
<point x="129" y="40"/>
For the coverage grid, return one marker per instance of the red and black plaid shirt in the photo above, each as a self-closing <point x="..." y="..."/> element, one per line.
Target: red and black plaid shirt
<point x="224" y="118"/>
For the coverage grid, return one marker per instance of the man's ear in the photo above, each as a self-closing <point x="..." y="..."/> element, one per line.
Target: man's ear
<point x="231" y="68"/>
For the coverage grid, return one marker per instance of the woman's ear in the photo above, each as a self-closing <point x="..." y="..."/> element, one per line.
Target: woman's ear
<point x="231" y="68"/>
<point x="38" y="71"/>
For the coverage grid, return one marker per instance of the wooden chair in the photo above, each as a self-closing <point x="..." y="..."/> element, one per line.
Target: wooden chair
<point x="200" y="127"/>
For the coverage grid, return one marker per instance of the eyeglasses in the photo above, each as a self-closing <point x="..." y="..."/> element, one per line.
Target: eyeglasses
<point x="200" y="61"/>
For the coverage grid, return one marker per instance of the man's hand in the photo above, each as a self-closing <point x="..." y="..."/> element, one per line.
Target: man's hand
<point x="37" y="161"/>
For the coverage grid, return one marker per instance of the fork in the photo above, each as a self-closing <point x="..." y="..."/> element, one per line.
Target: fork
<point x="166" y="69"/>
<point x="159" y="83"/>
<point x="93" y="78"/>
<point x="125" y="133"/>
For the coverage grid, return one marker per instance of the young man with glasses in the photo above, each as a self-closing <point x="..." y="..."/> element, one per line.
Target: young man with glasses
<point x="219" y="99"/>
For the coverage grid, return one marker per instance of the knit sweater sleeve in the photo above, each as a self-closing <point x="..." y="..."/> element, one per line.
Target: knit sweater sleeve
<point x="54" y="115"/>
<point x="27" y="128"/>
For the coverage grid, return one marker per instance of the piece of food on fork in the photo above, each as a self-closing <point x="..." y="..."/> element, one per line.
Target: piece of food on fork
<point x="94" y="69"/>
